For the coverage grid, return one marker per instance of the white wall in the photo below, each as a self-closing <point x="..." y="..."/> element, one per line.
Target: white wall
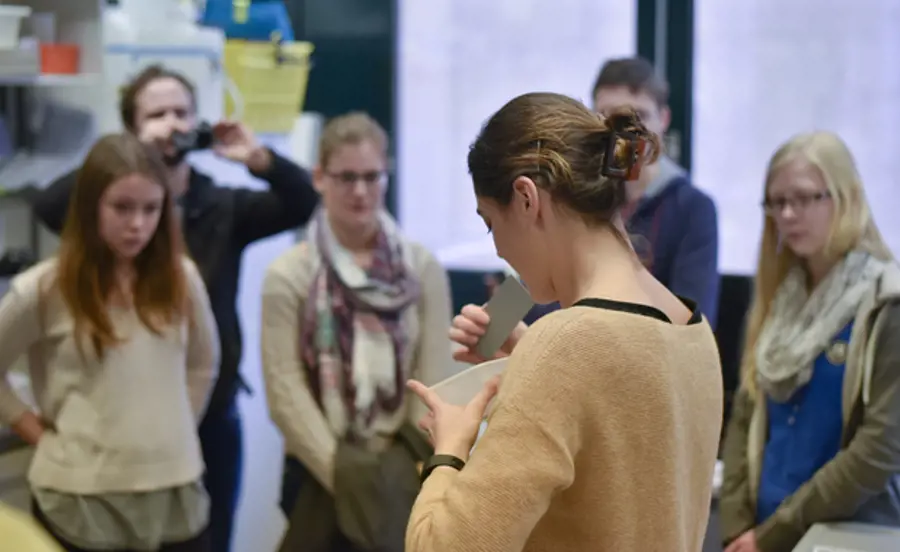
<point x="766" y="70"/>
<point x="460" y="61"/>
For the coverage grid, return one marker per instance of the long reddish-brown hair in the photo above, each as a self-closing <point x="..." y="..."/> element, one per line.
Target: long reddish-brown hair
<point x="86" y="277"/>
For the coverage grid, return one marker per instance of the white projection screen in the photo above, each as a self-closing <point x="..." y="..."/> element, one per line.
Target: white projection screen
<point x="461" y="60"/>
<point x="768" y="69"/>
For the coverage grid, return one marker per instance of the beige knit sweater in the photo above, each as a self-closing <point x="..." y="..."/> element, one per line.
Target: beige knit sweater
<point x="603" y="438"/>
<point x="307" y="435"/>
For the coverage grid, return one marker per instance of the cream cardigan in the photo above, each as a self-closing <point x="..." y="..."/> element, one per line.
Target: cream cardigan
<point x="307" y="435"/>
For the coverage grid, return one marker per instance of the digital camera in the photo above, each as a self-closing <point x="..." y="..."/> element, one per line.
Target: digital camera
<point x="200" y="138"/>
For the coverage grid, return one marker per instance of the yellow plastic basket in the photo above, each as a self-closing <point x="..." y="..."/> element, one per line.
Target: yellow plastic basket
<point x="270" y="78"/>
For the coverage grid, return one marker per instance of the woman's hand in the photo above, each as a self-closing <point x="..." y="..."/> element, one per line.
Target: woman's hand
<point x="452" y="428"/>
<point x="470" y="325"/>
<point x="744" y="543"/>
<point x="30" y="428"/>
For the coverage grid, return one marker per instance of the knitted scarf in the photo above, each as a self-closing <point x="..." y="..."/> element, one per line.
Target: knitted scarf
<point x="353" y="339"/>
<point x="801" y="324"/>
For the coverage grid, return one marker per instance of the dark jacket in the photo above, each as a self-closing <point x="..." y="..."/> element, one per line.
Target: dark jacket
<point x="680" y="231"/>
<point x="219" y="222"/>
<point x="861" y="483"/>
<point x="675" y="231"/>
<point x="374" y="494"/>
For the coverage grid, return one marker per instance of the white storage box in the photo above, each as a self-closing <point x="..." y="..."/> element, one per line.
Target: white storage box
<point x="10" y="22"/>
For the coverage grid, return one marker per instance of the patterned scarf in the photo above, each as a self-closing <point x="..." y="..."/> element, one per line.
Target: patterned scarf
<point x="800" y="324"/>
<point x="353" y="339"/>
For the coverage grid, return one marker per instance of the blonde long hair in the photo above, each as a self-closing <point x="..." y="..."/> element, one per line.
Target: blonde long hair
<point x="852" y="228"/>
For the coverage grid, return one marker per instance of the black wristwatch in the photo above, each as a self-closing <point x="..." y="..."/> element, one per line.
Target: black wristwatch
<point x="439" y="460"/>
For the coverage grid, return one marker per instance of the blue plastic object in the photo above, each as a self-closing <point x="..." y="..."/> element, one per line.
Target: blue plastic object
<point x="263" y="19"/>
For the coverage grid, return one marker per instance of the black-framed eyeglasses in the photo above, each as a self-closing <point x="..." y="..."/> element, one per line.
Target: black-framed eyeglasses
<point x="798" y="202"/>
<point x="371" y="179"/>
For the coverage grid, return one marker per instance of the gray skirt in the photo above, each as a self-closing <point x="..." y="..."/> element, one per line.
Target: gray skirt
<point x="131" y="521"/>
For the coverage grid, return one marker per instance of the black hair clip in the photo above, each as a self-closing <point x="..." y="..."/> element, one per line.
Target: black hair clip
<point x="630" y="170"/>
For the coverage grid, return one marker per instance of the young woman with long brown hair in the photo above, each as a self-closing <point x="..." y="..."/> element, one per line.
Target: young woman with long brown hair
<point x="122" y="353"/>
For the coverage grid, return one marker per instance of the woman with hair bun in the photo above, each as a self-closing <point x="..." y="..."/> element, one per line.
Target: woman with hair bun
<point x="604" y="433"/>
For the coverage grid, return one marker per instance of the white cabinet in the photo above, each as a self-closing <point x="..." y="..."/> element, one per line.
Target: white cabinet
<point x="76" y="22"/>
<point x="54" y="117"/>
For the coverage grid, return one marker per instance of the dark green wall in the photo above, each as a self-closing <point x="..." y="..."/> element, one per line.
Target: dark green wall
<point x="678" y="22"/>
<point x="354" y="69"/>
<point x="354" y="60"/>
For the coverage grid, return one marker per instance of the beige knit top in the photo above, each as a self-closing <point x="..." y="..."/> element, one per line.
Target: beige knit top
<point x="307" y="434"/>
<point x="603" y="438"/>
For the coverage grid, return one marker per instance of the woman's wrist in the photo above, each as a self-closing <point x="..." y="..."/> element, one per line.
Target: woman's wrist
<point x="441" y="462"/>
<point x="458" y="450"/>
<point x="30" y="428"/>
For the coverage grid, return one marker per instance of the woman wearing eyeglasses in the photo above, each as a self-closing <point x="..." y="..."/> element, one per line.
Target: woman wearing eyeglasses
<point x="348" y="316"/>
<point x="815" y="432"/>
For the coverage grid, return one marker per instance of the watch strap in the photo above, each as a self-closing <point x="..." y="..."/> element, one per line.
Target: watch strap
<point x="439" y="460"/>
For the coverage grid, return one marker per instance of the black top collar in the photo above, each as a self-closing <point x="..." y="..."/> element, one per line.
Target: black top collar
<point x="637" y="308"/>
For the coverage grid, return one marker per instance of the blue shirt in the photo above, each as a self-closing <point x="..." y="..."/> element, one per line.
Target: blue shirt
<point x="804" y="433"/>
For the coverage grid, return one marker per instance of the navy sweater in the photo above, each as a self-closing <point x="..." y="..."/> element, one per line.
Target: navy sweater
<point x="675" y="232"/>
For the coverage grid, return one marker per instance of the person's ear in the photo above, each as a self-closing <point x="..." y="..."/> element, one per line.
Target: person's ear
<point x="318" y="179"/>
<point x="525" y="195"/>
<point x="665" y="119"/>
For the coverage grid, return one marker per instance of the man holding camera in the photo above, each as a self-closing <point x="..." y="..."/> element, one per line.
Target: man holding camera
<point x="218" y="223"/>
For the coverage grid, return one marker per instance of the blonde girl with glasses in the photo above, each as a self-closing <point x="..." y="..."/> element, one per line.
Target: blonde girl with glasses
<point x="815" y="432"/>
